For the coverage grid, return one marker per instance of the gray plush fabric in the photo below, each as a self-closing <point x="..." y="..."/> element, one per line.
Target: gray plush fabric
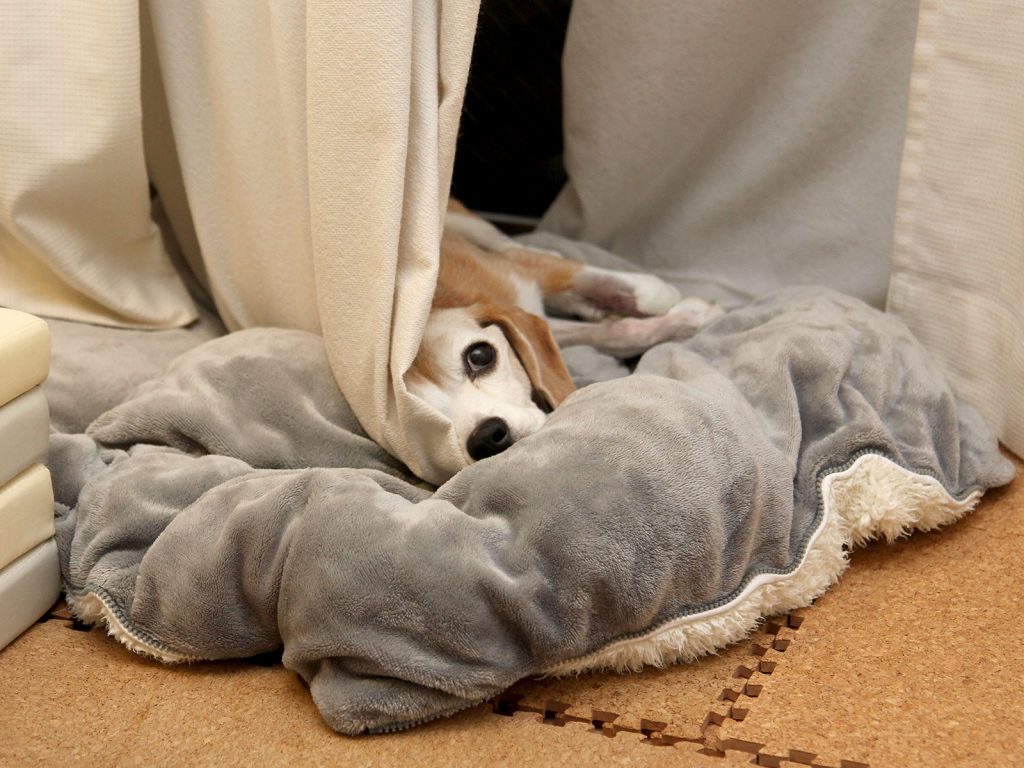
<point x="724" y="147"/>
<point x="232" y="505"/>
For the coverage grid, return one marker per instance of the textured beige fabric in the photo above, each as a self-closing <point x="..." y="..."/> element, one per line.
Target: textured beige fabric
<point x="234" y="75"/>
<point x="958" y="266"/>
<point x="315" y="144"/>
<point x="736" y="147"/>
<point x="382" y="142"/>
<point x="76" y="239"/>
<point x="303" y="152"/>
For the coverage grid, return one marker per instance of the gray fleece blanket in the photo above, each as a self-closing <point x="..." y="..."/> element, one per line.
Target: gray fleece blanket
<point x="230" y="505"/>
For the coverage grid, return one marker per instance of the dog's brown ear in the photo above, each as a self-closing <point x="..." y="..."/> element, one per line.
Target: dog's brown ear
<point x="530" y="337"/>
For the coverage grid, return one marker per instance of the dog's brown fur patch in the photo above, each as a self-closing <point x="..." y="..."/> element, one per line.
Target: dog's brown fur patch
<point x="470" y="275"/>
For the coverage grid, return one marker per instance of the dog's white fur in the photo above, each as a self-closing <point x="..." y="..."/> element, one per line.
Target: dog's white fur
<point x="492" y="290"/>
<point x="505" y="393"/>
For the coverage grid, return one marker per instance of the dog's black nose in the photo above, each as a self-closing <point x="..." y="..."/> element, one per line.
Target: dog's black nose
<point x="491" y="436"/>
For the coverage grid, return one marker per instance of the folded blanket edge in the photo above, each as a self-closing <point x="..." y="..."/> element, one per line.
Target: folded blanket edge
<point x="867" y="497"/>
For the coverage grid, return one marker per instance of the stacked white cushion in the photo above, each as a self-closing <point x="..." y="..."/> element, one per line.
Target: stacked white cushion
<point x="28" y="587"/>
<point x="29" y="573"/>
<point x="24" y="353"/>
<point x="26" y="513"/>
<point x="24" y="427"/>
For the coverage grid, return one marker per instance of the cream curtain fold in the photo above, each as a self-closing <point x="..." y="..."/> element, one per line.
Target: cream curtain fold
<point x="305" y="153"/>
<point x="958" y="263"/>
<point x="315" y="145"/>
<point x="76" y="238"/>
<point x="382" y="146"/>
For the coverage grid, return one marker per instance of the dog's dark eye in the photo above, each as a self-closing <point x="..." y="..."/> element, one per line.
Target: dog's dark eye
<point x="479" y="357"/>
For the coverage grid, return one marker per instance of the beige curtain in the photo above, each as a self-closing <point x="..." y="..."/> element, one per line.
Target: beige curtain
<point x="958" y="266"/>
<point x="304" y="151"/>
<point x="76" y="238"/>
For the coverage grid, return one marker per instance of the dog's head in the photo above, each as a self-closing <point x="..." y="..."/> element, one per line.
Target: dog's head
<point x="495" y="371"/>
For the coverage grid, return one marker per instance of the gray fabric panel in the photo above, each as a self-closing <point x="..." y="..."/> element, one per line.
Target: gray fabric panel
<point x="735" y="148"/>
<point x="232" y="506"/>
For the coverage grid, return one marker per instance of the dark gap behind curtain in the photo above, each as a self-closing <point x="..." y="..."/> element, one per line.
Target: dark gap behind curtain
<point x="509" y="153"/>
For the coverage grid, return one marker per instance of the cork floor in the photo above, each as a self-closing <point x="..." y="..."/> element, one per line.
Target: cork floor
<point x="911" y="660"/>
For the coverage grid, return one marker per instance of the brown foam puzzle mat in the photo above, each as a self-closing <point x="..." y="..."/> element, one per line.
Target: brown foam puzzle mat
<point x="911" y="660"/>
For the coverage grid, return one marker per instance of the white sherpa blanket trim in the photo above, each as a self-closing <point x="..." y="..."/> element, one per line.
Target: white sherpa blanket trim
<point x="92" y="608"/>
<point x="873" y="498"/>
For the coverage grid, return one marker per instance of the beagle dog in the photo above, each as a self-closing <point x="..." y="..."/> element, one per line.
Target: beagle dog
<point x="490" y="359"/>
